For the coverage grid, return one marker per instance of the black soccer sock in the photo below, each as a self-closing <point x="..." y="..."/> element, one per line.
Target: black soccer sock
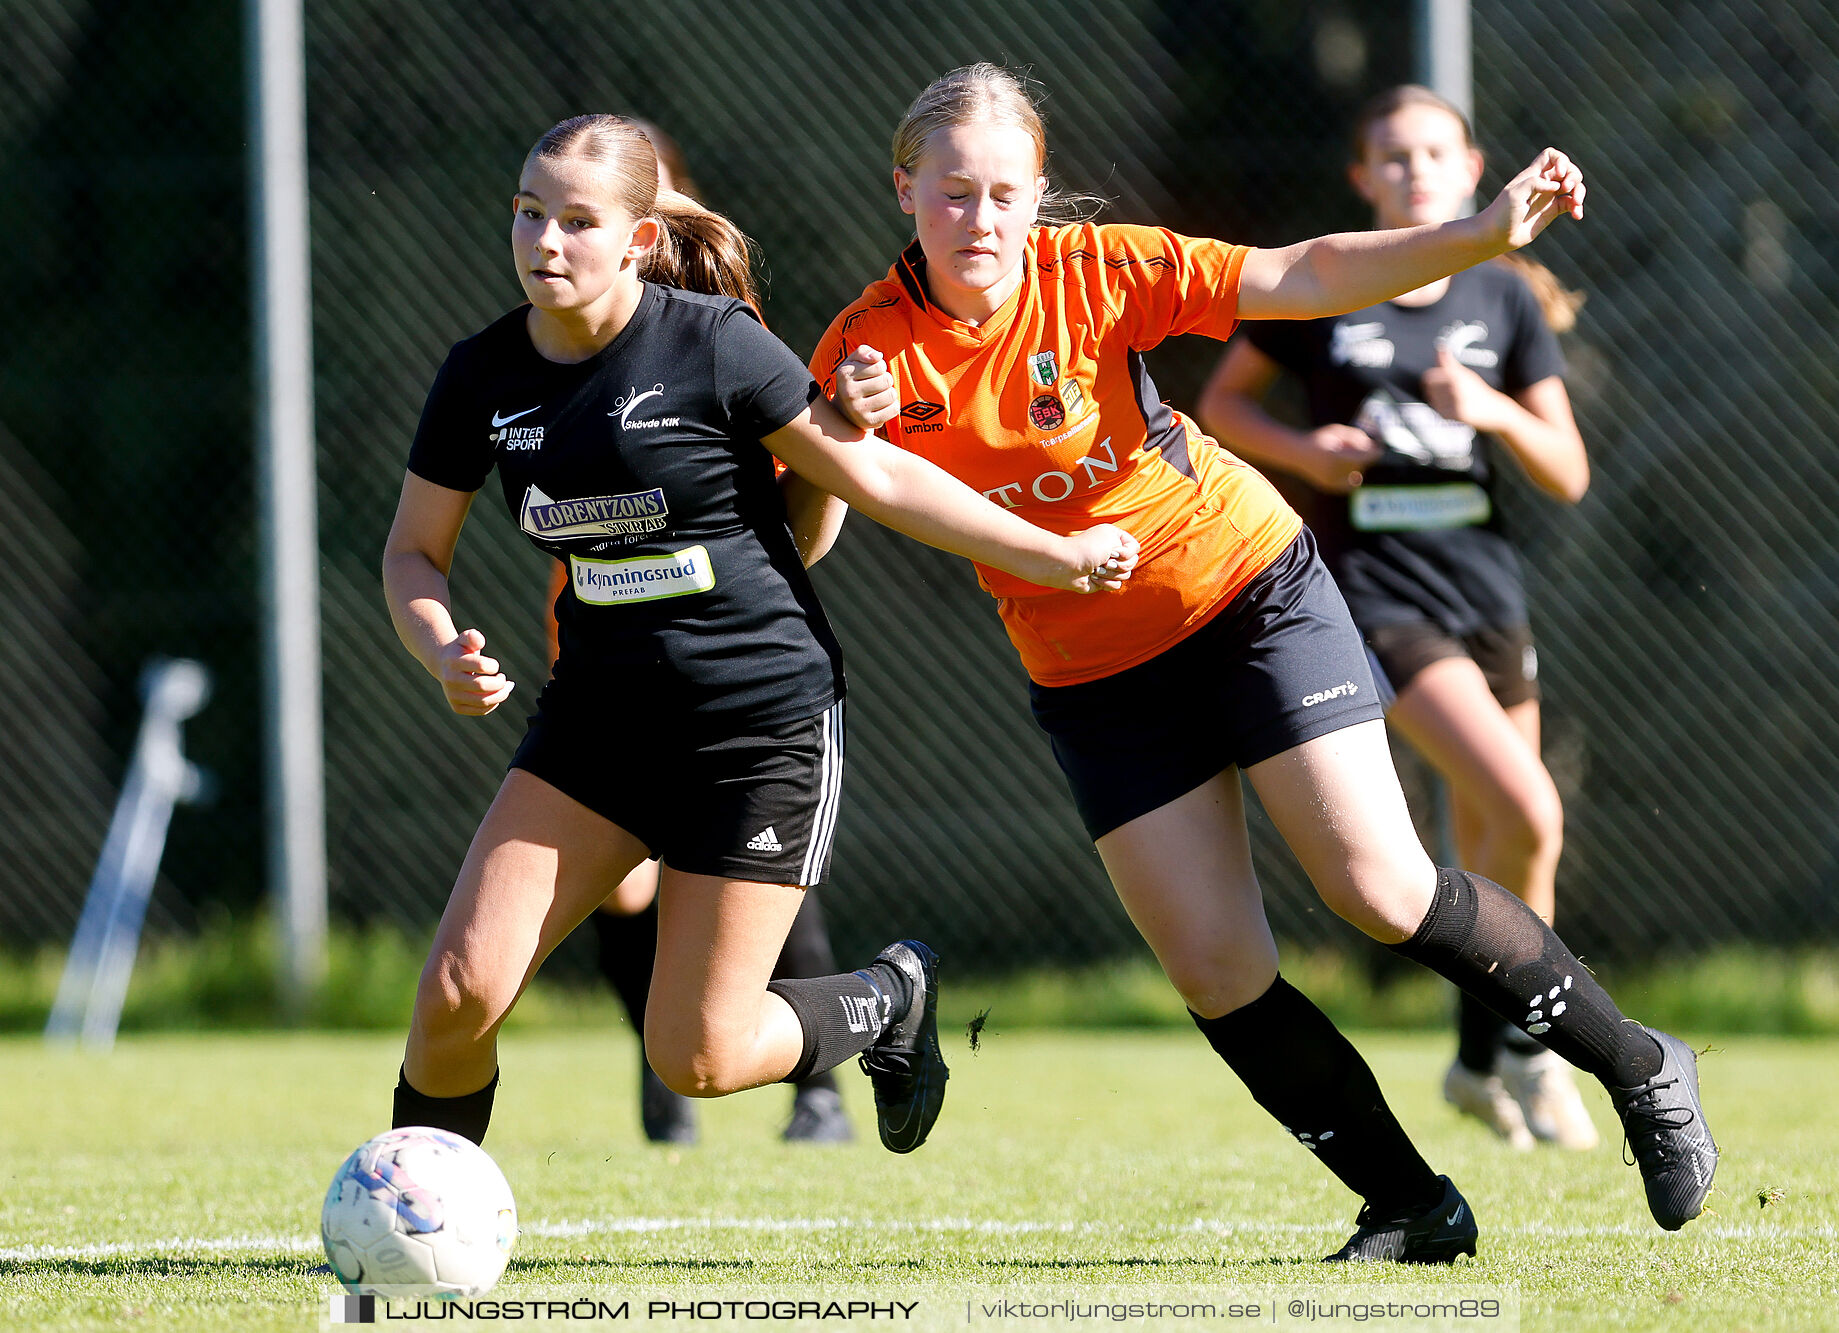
<point x="1479" y="1031"/>
<point x="807" y="953"/>
<point x="843" y="1015"/>
<point x="466" y="1116"/>
<point x="628" y="949"/>
<point x="1299" y="1067"/>
<point x="1495" y="947"/>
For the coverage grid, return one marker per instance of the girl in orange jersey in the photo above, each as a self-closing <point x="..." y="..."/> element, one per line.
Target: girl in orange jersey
<point x="1416" y="398"/>
<point x="625" y="926"/>
<point x="1011" y="354"/>
<point x="696" y="707"/>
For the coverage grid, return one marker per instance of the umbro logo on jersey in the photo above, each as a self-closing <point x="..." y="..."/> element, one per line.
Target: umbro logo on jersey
<point x="498" y="420"/>
<point x="1343" y="691"/>
<point x="765" y="841"/>
<point x="918" y="417"/>
<point x="623" y="407"/>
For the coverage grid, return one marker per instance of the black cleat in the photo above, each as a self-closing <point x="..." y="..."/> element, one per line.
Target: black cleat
<point x="818" y="1117"/>
<point x="905" y="1066"/>
<point x="667" y="1117"/>
<point x="1433" y="1237"/>
<point x="1666" y="1131"/>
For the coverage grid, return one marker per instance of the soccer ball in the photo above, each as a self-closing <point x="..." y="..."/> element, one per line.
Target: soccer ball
<point x="418" y="1209"/>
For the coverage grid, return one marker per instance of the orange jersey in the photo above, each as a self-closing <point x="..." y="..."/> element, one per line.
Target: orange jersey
<point x="1047" y="409"/>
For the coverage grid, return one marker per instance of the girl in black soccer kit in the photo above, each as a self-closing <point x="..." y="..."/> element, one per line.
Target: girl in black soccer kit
<point x="695" y="711"/>
<point x="625" y="926"/>
<point x="1411" y="401"/>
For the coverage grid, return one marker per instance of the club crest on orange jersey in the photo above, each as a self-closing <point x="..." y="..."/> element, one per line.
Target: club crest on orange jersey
<point x="1047" y="413"/>
<point x="1044" y="368"/>
<point x="1073" y="396"/>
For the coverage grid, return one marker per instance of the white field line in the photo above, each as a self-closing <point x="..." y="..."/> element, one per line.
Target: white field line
<point x="1727" y="1231"/>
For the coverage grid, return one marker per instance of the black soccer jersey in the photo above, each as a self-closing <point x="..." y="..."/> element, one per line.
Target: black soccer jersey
<point x="641" y="469"/>
<point x="1421" y="538"/>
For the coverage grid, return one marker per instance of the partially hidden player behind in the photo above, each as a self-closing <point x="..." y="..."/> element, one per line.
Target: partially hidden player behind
<point x="1412" y="402"/>
<point x="626" y="924"/>
<point x="697" y="698"/>
<point x="1011" y="354"/>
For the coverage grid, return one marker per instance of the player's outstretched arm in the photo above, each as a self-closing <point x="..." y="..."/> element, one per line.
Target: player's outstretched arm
<point x="865" y="395"/>
<point x="1332" y="275"/>
<point x="416" y="560"/>
<point x="912" y="496"/>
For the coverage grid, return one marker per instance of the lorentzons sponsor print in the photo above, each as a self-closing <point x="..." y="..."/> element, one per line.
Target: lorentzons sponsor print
<point x="636" y="514"/>
<point x="647" y="578"/>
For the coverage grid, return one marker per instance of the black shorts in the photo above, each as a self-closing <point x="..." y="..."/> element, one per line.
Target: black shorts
<point x="1505" y="656"/>
<point x="1280" y="665"/>
<point x="757" y="807"/>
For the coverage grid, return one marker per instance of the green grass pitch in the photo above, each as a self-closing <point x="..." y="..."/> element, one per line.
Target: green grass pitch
<point x="176" y="1184"/>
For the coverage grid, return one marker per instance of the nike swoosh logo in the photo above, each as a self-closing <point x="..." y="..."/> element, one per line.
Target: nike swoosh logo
<point x="1454" y="1217"/>
<point x="505" y="421"/>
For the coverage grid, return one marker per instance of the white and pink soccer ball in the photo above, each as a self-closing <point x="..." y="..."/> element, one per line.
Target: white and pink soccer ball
<point x="419" y="1211"/>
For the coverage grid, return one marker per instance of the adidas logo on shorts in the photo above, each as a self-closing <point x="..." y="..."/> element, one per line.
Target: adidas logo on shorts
<point x="765" y="841"/>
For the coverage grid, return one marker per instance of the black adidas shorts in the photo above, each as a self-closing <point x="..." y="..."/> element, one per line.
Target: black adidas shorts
<point x="1282" y="664"/>
<point x="757" y="807"/>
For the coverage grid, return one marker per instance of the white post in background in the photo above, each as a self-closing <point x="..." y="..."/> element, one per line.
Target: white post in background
<point x="1442" y="49"/>
<point x="1441" y="53"/>
<point x="283" y="313"/>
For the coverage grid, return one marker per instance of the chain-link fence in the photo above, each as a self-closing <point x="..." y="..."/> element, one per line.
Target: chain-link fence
<point x="1684" y="608"/>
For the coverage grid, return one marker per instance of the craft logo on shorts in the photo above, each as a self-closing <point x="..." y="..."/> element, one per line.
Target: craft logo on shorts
<point x="1044" y="369"/>
<point x="1346" y="690"/>
<point x="1047" y="413"/>
<point x="918" y="417"/>
<point x="637" y="514"/>
<point x="645" y="578"/>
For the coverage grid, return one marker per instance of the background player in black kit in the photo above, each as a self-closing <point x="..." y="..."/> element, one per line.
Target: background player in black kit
<point x="1410" y="402"/>
<point x="626" y="925"/>
<point x="695" y="710"/>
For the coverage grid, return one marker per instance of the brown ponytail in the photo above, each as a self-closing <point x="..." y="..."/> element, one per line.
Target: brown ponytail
<point x="1558" y="303"/>
<point x="698" y="249"/>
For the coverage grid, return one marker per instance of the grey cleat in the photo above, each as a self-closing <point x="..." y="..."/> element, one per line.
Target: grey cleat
<point x="1666" y="1131"/>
